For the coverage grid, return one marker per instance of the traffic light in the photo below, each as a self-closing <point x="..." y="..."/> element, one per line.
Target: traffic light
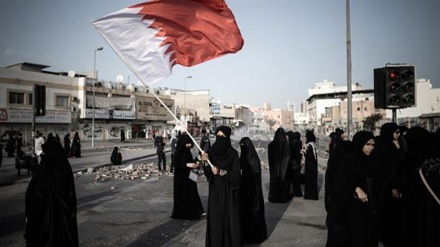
<point x="40" y="100"/>
<point x="394" y="86"/>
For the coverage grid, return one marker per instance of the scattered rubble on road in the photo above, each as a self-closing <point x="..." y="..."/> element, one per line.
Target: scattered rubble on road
<point x="129" y="172"/>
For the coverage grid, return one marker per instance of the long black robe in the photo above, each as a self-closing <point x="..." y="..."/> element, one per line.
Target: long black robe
<point x="187" y="203"/>
<point x="422" y="212"/>
<point x="253" y="219"/>
<point x="351" y="222"/>
<point x="278" y="158"/>
<point x="333" y="164"/>
<point x="67" y="145"/>
<point x="223" y="217"/>
<point x="116" y="156"/>
<point x="76" y="146"/>
<point x="391" y="159"/>
<point x="311" y="169"/>
<point x="295" y="153"/>
<point x="51" y="201"/>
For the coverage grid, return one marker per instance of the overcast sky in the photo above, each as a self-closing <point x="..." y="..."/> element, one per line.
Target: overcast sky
<point x="289" y="44"/>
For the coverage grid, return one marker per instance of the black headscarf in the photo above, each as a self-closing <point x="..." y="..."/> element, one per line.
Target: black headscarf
<point x="51" y="201"/>
<point x="182" y="141"/>
<point x="359" y="141"/>
<point x="310" y="137"/>
<point x="249" y="154"/>
<point x="220" y="151"/>
<point x="387" y="130"/>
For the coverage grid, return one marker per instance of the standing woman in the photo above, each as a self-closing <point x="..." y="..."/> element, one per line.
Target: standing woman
<point x="187" y="204"/>
<point x="295" y="145"/>
<point x="311" y="168"/>
<point x="392" y="160"/>
<point x="67" y="145"/>
<point x="50" y="202"/>
<point x="253" y="219"/>
<point x="223" y="221"/>
<point x="279" y="157"/>
<point x="76" y="146"/>
<point x="357" y="197"/>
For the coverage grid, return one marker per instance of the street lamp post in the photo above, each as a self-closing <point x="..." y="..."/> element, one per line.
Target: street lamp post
<point x="184" y="96"/>
<point x="93" y="103"/>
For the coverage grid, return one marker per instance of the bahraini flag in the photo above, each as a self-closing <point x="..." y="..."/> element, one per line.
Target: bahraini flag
<point x="153" y="36"/>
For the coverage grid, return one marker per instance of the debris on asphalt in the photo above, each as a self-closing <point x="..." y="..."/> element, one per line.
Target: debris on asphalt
<point x="129" y="172"/>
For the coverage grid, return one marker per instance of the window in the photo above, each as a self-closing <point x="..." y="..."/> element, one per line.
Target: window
<point x="16" y="98"/>
<point x="62" y="101"/>
<point x="30" y="99"/>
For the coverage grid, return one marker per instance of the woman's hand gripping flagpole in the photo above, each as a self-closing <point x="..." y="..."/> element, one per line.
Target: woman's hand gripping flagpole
<point x="190" y="136"/>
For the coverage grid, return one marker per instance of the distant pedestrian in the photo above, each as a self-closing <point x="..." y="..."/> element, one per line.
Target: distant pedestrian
<point x="311" y="168"/>
<point x="67" y="142"/>
<point x="57" y="138"/>
<point x="186" y="204"/>
<point x="76" y="146"/>
<point x="122" y="136"/>
<point x="50" y="203"/>
<point x="39" y="140"/>
<point x="116" y="156"/>
<point x="19" y="144"/>
<point x="253" y="219"/>
<point x="160" y="151"/>
<point x="10" y="145"/>
<point x="205" y="143"/>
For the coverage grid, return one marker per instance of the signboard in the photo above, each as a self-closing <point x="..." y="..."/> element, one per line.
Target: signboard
<point x="120" y="114"/>
<point x="25" y="116"/>
<point x="215" y="109"/>
<point x="152" y="109"/>
<point x="99" y="113"/>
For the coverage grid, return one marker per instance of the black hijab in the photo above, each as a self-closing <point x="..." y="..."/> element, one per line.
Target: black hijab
<point x="51" y="200"/>
<point x="249" y="155"/>
<point x="182" y="141"/>
<point x="220" y="152"/>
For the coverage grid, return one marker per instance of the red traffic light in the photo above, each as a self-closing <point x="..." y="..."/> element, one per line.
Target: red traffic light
<point x="393" y="75"/>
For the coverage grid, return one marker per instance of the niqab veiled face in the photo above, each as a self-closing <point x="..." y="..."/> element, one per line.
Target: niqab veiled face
<point x="368" y="147"/>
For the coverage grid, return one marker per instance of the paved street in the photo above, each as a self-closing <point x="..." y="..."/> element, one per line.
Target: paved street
<point x="136" y="212"/>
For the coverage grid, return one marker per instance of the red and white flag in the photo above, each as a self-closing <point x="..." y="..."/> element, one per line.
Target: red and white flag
<point x="153" y="36"/>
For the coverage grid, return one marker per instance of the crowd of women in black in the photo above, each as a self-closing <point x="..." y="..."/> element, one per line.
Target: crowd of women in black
<point x="384" y="188"/>
<point x="236" y="213"/>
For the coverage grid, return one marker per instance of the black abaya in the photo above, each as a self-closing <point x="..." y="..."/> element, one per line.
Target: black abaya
<point x="223" y="220"/>
<point x="350" y="221"/>
<point x="51" y="201"/>
<point x="253" y="219"/>
<point x="187" y="203"/>
<point x="278" y="158"/>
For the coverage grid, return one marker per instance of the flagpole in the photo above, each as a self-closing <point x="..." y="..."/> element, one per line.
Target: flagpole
<point x="175" y="117"/>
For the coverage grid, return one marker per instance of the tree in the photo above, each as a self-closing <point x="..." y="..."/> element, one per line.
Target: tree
<point x="370" y="121"/>
<point x="270" y="121"/>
